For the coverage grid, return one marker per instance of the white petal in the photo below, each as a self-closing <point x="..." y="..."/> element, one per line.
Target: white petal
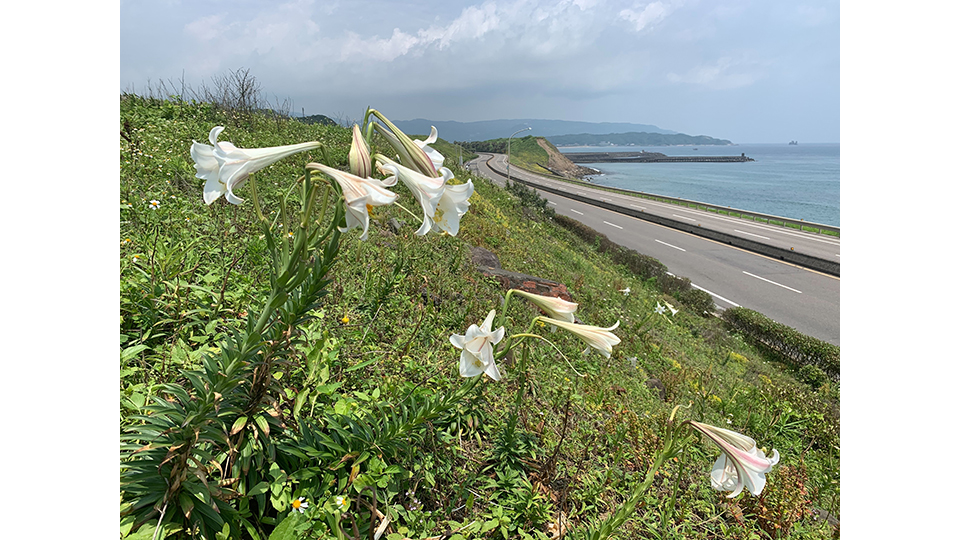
<point x="469" y="364"/>
<point x="497" y="335"/>
<point x="457" y="341"/>
<point x="212" y="190"/>
<point x="488" y="322"/>
<point x="493" y="371"/>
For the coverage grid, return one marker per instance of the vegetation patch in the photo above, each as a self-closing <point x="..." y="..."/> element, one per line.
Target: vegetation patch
<point x="281" y="378"/>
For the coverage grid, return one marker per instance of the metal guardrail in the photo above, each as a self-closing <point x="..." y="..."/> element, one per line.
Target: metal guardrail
<point x="820" y="227"/>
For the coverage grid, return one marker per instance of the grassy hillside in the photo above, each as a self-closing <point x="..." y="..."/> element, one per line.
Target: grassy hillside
<point x="524" y="151"/>
<point x="349" y="415"/>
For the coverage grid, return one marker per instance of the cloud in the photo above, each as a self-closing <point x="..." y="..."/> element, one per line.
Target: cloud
<point x="651" y="14"/>
<point x="472" y="24"/>
<point x="724" y="74"/>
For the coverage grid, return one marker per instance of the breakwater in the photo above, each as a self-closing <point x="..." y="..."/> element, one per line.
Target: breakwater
<point x="649" y="157"/>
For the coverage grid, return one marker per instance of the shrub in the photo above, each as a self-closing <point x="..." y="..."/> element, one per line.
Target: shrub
<point x="699" y="301"/>
<point x="786" y="343"/>
<point x="812" y="375"/>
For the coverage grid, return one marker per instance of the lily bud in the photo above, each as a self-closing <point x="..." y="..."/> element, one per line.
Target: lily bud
<point x="411" y="154"/>
<point x="360" y="164"/>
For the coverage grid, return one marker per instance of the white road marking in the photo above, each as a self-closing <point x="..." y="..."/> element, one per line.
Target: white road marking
<point x="774" y="282"/>
<point x="551" y="202"/>
<point x="670" y="245"/>
<point x="572" y="210"/>
<point x="684" y="217"/>
<point x="751" y="234"/>
<point x="640" y="207"/>
<point x="694" y="285"/>
<point x="613" y="225"/>
<point x="604" y="200"/>
<point x="734" y="304"/>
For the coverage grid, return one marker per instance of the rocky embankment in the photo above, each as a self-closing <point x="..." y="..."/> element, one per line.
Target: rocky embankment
<point x="560" y="165"/>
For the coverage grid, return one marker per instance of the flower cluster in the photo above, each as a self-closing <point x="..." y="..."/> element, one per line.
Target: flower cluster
<point x="477" y="344"/>
<point x="226" y="168"/>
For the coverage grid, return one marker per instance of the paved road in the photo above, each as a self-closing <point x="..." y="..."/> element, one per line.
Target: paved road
<point x="803" y="299"/>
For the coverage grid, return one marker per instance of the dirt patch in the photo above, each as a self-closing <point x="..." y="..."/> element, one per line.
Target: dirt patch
<point x="560" y="165"/>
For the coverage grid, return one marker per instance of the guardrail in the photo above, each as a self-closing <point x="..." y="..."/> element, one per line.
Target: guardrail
<point x="770" y="219"/>
<point x="801" y="259"/>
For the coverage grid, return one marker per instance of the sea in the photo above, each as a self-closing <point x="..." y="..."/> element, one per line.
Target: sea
<point x="799" y="181"/>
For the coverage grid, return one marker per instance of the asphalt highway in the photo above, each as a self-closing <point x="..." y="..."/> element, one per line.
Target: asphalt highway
<point x="803" y="299"/>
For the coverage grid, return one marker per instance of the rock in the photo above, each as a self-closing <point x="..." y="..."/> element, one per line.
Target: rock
<point x="396" y="225"/>
<point x="820" y="514"/>
<point x="483" y="258"/>
<point x="655" y="384"/>
<point x="527" y="283"/>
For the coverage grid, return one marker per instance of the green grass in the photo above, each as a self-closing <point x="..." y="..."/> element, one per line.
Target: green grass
<point x="189" y="274"/>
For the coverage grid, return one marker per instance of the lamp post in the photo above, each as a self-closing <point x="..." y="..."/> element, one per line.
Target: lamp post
<point x="508" y="152"/>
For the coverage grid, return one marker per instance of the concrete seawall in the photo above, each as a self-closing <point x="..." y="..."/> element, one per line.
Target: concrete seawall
<point x="800" y="259"/>
<point x="649" y="157"/>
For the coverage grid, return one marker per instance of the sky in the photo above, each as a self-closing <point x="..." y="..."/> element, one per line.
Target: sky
<point x="748" y="71"/>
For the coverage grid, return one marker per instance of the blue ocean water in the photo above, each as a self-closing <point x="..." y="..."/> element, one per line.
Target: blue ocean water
<point x="796" y="181"/>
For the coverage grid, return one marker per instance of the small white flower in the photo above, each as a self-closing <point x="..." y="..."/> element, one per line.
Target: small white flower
<point x="154" y="204"/>
<point x="660" y="309"/>
<point x="341" y="502"/>
<point x="625" y="291"/>
<point x="300" y="504"/>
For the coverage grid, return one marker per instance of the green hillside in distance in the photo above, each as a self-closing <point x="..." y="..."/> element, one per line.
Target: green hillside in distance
<point x="635" y="139"/>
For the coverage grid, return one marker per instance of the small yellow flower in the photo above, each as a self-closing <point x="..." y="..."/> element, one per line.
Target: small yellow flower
<point x="345" y="319"/>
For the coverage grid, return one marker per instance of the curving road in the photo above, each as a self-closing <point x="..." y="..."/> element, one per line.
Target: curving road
<point x="803" y="299"/>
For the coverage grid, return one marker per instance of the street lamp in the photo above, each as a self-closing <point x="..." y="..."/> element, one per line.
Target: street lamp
<point x="508" y="152"/>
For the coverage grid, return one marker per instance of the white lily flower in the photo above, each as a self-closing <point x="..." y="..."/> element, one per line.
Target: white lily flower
<point x="672" y="310"/>
<point x="740" y="465"/>
<point x="601" y="339"/>
<point x="425" y="189"/>
<point x="555" y="308"/>
<point x="359" y="194"/>
<point x="226" y="167"/>
<point x="660" y="309"/>
<point x="625" y="291"/>
<point x="435" y="157"/>
<point x="453" y="205"/>
<point x="477" y="345"/>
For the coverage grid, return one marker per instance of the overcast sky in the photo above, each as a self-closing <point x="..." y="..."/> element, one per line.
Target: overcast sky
<point x="744" y="70"/>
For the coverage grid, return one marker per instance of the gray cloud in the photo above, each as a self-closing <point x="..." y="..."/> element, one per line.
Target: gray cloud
<point x="589" y="60"/>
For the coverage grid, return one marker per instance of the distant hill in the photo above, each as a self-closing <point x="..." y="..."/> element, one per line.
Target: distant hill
<point x="496" y="129"/>
<point x="635" y="139"/>
<point x="321" y="119"/>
